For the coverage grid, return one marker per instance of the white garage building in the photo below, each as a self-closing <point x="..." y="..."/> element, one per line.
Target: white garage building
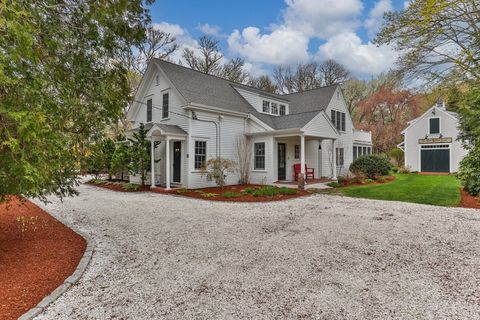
<point x="430" y="141"/>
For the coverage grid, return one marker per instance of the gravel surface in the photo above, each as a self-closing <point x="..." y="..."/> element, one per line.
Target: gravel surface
<point x="321" y="257"/>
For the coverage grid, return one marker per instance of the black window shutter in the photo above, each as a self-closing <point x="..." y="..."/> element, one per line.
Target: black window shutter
<point x="343" y="121"/>
<point x="332" y="117"/>
<point x="149" y="110"/>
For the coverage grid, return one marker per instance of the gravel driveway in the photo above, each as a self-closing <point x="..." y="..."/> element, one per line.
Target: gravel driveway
<point x="321" y="257"/>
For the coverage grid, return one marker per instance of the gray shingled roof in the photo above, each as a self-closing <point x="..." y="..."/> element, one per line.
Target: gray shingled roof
<point x="201" y="88"/>
<point x="168" y="128"/>
<point x="316" y="99"/>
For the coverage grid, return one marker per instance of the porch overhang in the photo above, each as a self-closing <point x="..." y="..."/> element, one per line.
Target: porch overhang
<point x="159" y="131"/>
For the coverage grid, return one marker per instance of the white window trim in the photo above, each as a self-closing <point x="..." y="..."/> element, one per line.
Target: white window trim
<point x="264" y="169"/>
<point x="166" y="91"/>
<point x="206" y="152"/>
<point x="270" y="113"/>
<point x="439" y="125"/>
<point x="299" y="152"/>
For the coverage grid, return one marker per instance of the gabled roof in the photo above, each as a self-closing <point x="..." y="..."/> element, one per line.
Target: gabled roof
<point x="451" y="114"/>
<point x="315" y="99"/>
<point x="204" y="89"/>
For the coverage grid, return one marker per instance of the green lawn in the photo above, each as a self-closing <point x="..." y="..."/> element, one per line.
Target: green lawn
<point x="417" y="188"/>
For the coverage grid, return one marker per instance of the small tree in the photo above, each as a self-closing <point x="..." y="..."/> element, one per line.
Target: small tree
<point x="243" y="146"/>
<point x="95" y="160"/>
<point x="120" y="160"/>
<point x="397" y="155"/>
<point x="140" y="159"/>
<point x="108" y="149"/>
<point x="216" y="169"/>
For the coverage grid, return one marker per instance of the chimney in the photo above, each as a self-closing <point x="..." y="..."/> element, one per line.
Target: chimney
<point x="441" y="104"/>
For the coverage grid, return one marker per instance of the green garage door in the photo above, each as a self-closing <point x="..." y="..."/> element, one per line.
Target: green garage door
<point x="435" y="160"/>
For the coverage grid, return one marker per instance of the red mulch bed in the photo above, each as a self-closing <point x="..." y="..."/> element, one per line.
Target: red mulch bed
<point x="33" y="263"/>
<point x="237" y="189"/>
<point x="468" y="201"/>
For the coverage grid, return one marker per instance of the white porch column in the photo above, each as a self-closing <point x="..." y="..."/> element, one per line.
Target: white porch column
<point x="152" y="160"/>
<point x="167" y="163"/>
<point x="334" y="157"/>
<point x="302" y="154"/>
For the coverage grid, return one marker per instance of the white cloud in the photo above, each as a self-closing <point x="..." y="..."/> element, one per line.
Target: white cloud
<point x="375" y="17"/>
<point x="184" y="39"/>
<point x="211" y="30"/>
<point x="363" y="60"/>
<point x="282" y="46"/>
<point x="322" y="18"/>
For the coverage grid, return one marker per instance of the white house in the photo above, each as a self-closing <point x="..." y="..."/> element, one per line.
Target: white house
<point x="196" y="116"/>
<point x="430" y="141"/>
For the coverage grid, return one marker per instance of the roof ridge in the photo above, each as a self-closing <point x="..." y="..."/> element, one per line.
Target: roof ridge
<point x="218" y="77"/>
<point x="323" y="87"/>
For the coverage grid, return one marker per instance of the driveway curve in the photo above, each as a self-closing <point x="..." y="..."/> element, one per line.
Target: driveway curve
<point x="320" y="257"/>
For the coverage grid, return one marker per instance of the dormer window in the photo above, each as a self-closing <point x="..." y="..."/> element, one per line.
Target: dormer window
<point x="266" y="106"/>
<point x="283" y="109"/>
<point x="274" y="108"/>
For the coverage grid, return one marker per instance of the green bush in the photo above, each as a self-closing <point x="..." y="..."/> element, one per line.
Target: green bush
<point x="403" y="169"/>
<point x="230" y="194"/>
<point x="397" y="155"/>
<point x="208" y="194"/>
<point x="469" y="173"/>
<point x="382" y="179"/>
<point x="97" y="181"/>
<point x="249" y="190"/>
<point x="334" y="184"/>
<point x="371" y="165"/>
<point x="368" y="180"/>
<point x="183" y="190"/>
<point x="395" y="169"/>
<point x="265" y="191"/>
<point x="287" y="191"/>
<point x="130" y="186"/>
<point x="341" y="180"/>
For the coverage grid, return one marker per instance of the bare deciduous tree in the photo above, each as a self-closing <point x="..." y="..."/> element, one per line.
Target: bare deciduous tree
<point x="332" y="72"/>
<point x="243" y="147"/>
<point x="209" y="58"/>
<point x="233" y="71"/>
<point x="264" y="83"/>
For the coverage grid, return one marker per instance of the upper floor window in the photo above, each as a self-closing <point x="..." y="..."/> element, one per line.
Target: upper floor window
<point x="283" y="110"/>
<point x="157" y="79"/>
<point x="434" y="125"/>
<point x="338" y="119"/>
<point x="274" y="108"/>
<point x="149" y="110"/>
<point x="266" y="106"/>
<point x="165" y="105"/>
<point x="259" y="156"/>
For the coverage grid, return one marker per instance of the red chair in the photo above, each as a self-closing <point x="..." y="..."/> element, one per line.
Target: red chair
<point x="309" y="172"/>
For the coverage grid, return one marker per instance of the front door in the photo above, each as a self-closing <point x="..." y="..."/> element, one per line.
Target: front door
<point x="177" y="161"/>
<point x="282" y="162"/>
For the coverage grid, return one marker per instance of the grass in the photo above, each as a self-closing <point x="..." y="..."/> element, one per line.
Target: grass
<point x="416" y="188"/>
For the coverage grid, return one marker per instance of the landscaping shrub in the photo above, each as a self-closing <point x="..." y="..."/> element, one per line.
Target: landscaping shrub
<point x="230" y="194"/>
<point x="382" y="179"/>
<point x="397" y="155"/>
<point x="403" y="169"/>
<point x="368" y="180"/>
<point x="208" y="194"/>
<point x="249" y="190"/>
<point x="97" y="181"/>
<point x="370" y="166"/>
<point x="287" y="191"/>
<point x="395" y="169"/>
<point x="265" y="191"/>
<point x="182" y="190"/>
<point x="216" y="169"/>
<point x="469" y="172"/>
<point x="130" y="186"/>
<point x="334" y="184"/>
<point x="341" y="180"/>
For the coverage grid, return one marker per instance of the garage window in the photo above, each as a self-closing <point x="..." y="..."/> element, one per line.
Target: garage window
<point x="434" y="125"/>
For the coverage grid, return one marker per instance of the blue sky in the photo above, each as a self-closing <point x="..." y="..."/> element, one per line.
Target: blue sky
<point x="268" y="33"/>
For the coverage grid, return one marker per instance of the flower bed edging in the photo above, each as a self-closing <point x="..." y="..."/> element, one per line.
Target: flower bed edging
<point x="68" y="282"/>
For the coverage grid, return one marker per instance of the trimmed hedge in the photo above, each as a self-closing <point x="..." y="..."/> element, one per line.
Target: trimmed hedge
<point x="371" y="166"/>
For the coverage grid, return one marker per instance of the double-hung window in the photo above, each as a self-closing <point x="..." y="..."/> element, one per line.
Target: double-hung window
<point x="259" y="156"/>
<point x="274" y="108"/>
<point x="339" y="157"/>
<point x="283" y="109"/>
<point x="297" y="151"/>
<point x="200" y="154"/>
<point x="355" y="152"/>
<point x="165" y="105"/>
<point x="338" y="120"/>
<point x="266" y="106"/>
<point x="149" y="110"/>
